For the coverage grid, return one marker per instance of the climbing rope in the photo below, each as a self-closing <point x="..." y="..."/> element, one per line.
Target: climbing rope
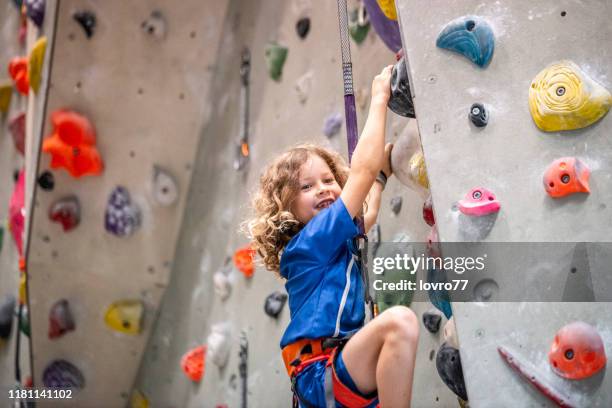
<point x="350" y="113"/>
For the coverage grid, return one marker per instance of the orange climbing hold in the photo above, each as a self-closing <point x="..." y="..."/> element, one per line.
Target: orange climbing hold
<point x="192" y="363"/>
<point x="577" y="351"/>
<point x="243" y="259"/>
<point x="72" y="144"/>
<point x="566" y="176"/>
<point x="18" y="70"/>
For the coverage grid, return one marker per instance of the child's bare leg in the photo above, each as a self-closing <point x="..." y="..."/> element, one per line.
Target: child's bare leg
<point x="382" y="356"/>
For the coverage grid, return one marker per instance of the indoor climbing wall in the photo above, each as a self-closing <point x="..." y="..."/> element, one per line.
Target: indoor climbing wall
<point x="209" y="302"/>
<point x="538" y="110"/>
<point x="127" y="99"/>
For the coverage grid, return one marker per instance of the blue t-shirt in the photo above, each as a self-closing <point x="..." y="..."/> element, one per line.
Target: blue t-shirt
<point x="324" y="284"/>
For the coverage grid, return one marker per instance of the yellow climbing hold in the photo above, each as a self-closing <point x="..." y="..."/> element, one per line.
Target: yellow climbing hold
<point x="6" y="91"/>
<point x="23" y="292"/>
<point x="563" y="97"/>
<point x="388" y="8"/>
<point x="418" y="169"/>
<point x="37" y="57"/>
<point x="138" y="400"/>
<point x="125" y="316"/>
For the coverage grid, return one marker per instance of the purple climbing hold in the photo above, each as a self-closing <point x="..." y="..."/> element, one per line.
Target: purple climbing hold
<point x="60" y="319"/>
<point x="17" y="129"/>
<point x="62" y="374"/>
<point x="332" y="124"/>
<point x="35" y="9"/>
<point x="122" y="217"/>
<point x="387" y="30"/>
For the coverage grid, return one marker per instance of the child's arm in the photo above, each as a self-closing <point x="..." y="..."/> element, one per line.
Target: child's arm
<point x="368" y="157"/>
<point x="374" y="196"/>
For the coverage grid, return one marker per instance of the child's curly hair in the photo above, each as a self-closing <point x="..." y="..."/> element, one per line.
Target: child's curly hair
<point x="274" y="225"/>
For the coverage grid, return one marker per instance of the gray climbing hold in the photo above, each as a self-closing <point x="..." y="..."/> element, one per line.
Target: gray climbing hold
<point x="7" y="308"/>
<point x="431" y="320"/>
<point x="274" y="303"/>
<point x="396" y="204"/>
<point x="448" y="364"/>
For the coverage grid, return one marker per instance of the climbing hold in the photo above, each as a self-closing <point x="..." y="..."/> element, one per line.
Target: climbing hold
<point x="138" y="400"/>
<point x="439" y="297"/>
<point x="35" y="63"/>
<point x="62" y="374"/>
<point x="165" y="188"/>
<point x="25" y="320"/>
<point x="565" y="176"/>
<point x="155" y="25"/>
<point x="577" y="351"/>
<point x="563" y="97"/>
<point x="122" y="217"/>
<point x="387" y="30"/>
<point x="274" y="303"/>
<point x="275" y="59"/>
<point x="17" y="212"/>
<point x="478" y="115"/>
<point x="302" y="27"/>
<point x="222" y="284"/>
<point x="388" y="8"/>
<point x="396" y="276"/>
<point x="479" y="201"/>
<point x="359" y="24"/>
<point x="408" y="162"/>
<point x="46" y="181"/>
<point x="470" y="36"/>
<point x="448" y="364"/>
<point x="35" y="10"/>
<point x="486" y="290"/>
<point x="87" y="20"/>
<point x="17" y="129"/>
<point x="303" y="86"/>
<point x="6" y="92"/>
<point x="428" y="214"/>
<point x="243" y="259"/>
<point x="431" y="320"/>
<point x="72" y="144"/>
<point x="332" y="124"/>
<point x="396" y="204"/>
<point x="125" y="316"/>
<point x="66" y="211"/>
<point x="60" y="319"/>
<point x="449" y="333"/>
<point x="18" y="70"/>
<point x="400" y="101"/>
<point x="7" y="310"/>
<point x="23" y="290"/>
<point x="192" y="363"/>
<point x="218" y="344"/>
<point x="375" y="238"/>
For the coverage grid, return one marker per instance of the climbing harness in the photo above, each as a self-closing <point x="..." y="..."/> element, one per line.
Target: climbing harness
<point x="242" y="151"/>
<point x="300" y="354"/>
<point x="350" y="113"/>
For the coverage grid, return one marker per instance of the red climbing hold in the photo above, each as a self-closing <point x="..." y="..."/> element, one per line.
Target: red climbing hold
<point x="72" y="144"/>
<point x="67" y="212"/>
<point x="192" y="363"/>
<point x="479" y="201"/>
<point x="60" y="319"/>
<point x="243" y="259"/>
<point x="566" y="176"/>
<point x="577" y="351"/>
<point x="18" y="70"/>
<point x="428" y="214"/>
<point x="17" y="129"/>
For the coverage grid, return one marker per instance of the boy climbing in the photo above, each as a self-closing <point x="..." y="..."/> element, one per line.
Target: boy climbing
<point x="304" y="230"/>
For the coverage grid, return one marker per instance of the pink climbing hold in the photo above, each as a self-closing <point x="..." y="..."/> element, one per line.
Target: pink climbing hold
<point x="17" y="211"/>
<point x="478" y="202"/>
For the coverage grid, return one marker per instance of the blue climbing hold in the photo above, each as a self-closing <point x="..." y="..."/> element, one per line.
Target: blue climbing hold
<point x="470" y="36"/>
<point x="439" y="297"/>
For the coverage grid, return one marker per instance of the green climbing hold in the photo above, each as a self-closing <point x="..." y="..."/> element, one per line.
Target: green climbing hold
<point x="359" y="25"/>
<point x="392" y="287"/>
<point x="275" y="59"/>
<point x="1" y="237"/>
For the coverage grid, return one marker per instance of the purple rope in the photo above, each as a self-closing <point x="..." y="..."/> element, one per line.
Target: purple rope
<point x="351" y="123"/>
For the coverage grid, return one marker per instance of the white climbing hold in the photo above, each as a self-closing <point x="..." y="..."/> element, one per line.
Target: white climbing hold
<point x="219" y="344"/>
<point x="165" y="189"/>
<point x="303" y="85"/>
<point x="449" y="333"/>
<point x="222" y="284"/>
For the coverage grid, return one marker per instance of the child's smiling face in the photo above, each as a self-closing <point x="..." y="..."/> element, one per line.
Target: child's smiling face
<point x="318" y="189"/>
